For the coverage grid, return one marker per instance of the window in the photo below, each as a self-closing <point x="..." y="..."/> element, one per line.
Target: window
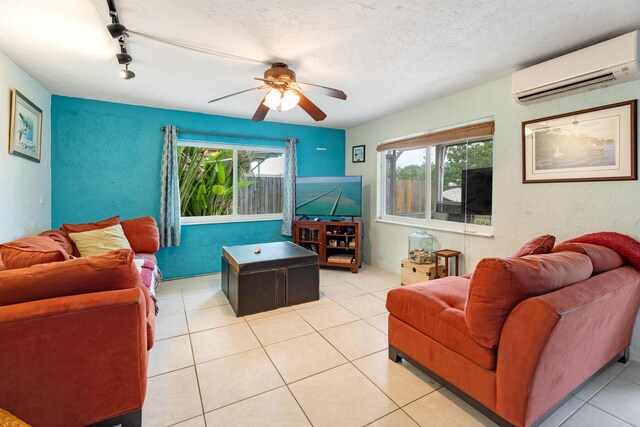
<point x="220" y="182"/>
<point x="439" y="185"/>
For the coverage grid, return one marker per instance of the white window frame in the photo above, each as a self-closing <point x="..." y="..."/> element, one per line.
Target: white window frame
<point x="435" y="224"/>
<point x="234" y="216"/>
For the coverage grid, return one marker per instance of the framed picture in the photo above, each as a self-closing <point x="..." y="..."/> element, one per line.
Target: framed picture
<point x="598" y="144"/>
<point x="358" y="153"/>
<point x="25" y="133"/>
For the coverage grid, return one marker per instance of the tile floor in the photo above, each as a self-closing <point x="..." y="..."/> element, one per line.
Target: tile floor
<point x="323" y="364"/>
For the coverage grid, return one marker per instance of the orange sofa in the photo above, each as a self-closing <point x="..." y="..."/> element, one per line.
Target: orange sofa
<point x="76" y="334"/>
<point x="518" y="336"/>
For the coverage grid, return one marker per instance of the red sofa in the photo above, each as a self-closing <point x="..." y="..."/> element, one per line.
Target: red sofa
<point x="76" y="334"/>
<point x="521" y="333"/>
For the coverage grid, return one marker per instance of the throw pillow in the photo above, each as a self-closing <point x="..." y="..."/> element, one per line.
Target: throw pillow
<point x="540" y="245"/>
<point x="142" y="234"/>
<point x="30" y="251"/>
<point x="100" y="241"/>
<point x="79" y="228"/>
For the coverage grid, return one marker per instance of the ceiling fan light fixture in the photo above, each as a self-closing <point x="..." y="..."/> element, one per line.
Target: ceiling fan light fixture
<point x="126" y="73"/>
<point x="116" y="30"/>
<point x="273" y="99"/>
<point x="289" y="100"/>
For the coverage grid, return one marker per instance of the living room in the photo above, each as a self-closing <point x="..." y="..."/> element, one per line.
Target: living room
<point x="419" y="83"/>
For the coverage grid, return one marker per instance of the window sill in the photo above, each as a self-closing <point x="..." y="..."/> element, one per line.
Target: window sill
<point x="458" y="228"/>
<point x="225" y="219"/>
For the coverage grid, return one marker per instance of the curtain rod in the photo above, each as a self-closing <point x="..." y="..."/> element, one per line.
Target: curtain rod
<point x="199" y="132"/>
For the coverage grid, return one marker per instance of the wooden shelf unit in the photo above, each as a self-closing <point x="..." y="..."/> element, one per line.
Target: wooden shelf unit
<point x="316" y="235"/>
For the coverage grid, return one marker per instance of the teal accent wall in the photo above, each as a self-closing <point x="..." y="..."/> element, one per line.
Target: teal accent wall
<point x="105" y="161"/>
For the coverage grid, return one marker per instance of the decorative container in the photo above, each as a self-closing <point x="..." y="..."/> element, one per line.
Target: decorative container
<point x="420" y="247"/>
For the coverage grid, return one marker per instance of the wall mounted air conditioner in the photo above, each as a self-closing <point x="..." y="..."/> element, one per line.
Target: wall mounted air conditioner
<point x="603" y="64"/>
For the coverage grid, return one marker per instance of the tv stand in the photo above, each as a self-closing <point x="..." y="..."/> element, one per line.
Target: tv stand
<point x="337" y="243"/>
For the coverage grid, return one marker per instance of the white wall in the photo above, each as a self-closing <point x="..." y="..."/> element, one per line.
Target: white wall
<point x="23" y="183"/>
<point x="520" y="211"/>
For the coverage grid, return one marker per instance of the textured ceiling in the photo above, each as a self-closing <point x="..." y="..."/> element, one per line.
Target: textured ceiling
<point x="386" y="55"/>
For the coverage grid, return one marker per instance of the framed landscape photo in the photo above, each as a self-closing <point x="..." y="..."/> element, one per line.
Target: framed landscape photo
<point x="598" y="144"/>
<point x="25" y="133"/>
<point x="357" y="156"/>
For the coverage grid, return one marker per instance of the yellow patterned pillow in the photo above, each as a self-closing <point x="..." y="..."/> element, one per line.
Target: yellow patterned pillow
<point x="100" y="241"/>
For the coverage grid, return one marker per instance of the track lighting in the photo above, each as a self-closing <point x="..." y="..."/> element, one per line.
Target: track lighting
<point x="117" y="30"/>
<point x="124" y="58"/>
<point x="127" y="74"/>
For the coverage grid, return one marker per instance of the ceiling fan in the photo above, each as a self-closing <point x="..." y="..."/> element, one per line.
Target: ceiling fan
<point x="285" y="93"/>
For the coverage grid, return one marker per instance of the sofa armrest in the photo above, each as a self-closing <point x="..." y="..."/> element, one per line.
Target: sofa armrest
<point x="552" y="343"/>
<point x="74" y="360"/>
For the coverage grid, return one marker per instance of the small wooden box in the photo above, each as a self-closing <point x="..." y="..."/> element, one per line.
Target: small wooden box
<point x="418" y="273"/>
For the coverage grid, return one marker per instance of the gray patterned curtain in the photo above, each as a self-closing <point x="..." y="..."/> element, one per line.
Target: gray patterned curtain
<point x="289" y="197"/>
<point x="169" y="190"/>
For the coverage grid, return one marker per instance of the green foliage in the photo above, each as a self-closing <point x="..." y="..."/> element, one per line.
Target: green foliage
<point x="411" y="172"/>
<point x="466" y="156"/>
<point x="206" y="180"/>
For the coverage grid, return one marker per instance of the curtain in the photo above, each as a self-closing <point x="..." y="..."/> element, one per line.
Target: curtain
<point x="289" y="196"/>
<point x="169" y="190"/>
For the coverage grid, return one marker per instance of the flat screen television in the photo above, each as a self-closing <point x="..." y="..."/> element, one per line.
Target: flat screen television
<point x="329" y="196"/>
<point x="477" y="191"/>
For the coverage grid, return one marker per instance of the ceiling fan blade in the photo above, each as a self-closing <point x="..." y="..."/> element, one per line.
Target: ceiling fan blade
<point x="237" y="93"/>
<point x="261" y="112"/>
<point x="328" y="91"/>
<point x="312" y="109"/>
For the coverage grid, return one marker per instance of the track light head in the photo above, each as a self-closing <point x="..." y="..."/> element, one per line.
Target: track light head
<point x="126" y="73"/>
<point x="117" y="30"/>
<point x="124" y="58"/>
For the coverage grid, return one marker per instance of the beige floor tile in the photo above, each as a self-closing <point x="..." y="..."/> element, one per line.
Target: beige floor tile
<point x="394" y="379"/>
<point x="589" y="416"/>
<point x="171" y="306"/>
<point x="356" y="339"/>
<point x="563" y="413"/>
<point x="364" y="305"/>
<point x="330" y="275"/>
<point x="169" y="289"/>
<point x="442" y="408"/>
<point x="233" y="378"/>
<point x="380" y="322"/>
<point x="395" y="419"/>
<point x="615" y="398"/>
<point x="341" y="290"/>
<point x="376" y="284"/>
<point x="171" y="325"/>
<point x="170" y="355"/>
<point x="304" y="356"/>
<point x="193" y="422"/>
<point x="268" y="313"/>
<point x="171" y="398"/>
<point x="596" y="384"/>
<point x="213" y="317"/>
<point x="221" y="342"/>
<point x="280" y="327"/>
<point x="274" y="408"/>
<point x="383" y="293"/>
<point x="326" y="315"/>
<point x="199" y="301"/>
<point x="323" y="300"/>
<point x="631" y="372"/>
<point x="198" y="285"/>
<point x="342" y="396"/>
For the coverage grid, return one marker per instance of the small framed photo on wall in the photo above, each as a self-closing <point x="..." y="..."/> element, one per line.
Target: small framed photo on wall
<point x="25" y="135"/>
<point x="358" y="154"/>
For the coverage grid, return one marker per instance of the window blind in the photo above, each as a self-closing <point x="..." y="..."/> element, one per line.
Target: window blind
<point x="462" y="133"/>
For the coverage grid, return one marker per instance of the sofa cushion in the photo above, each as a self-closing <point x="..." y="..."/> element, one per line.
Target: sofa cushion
<point x="540" y="245"/>
<point x="436" y="309"/>
<point x="61" y="238"/>
<point x="79" y="228"/>
<point x="100" y="241"/>
<point x="114" y="270"/>
<point x="499" y="285"/>
<point x="30" y="251"/>
<point x="602" y="258"/>
<point x="142" y="233"/>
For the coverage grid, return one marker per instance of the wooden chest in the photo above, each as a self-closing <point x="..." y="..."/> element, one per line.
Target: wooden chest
<point x="417" y="273"/>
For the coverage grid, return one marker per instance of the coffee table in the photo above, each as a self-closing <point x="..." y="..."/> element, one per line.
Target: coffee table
<point x="282" y="274"/>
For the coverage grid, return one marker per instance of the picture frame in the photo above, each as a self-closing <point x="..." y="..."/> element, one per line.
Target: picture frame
<point x="596" y="144"/>
<point x="25" y="129"/>
<point x="358" y="154"/>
